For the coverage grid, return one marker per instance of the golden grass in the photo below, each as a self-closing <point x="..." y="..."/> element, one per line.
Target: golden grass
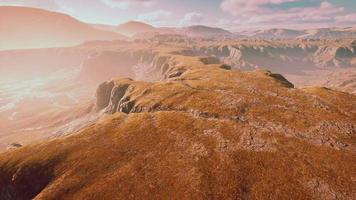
<point x="209" y="133"/>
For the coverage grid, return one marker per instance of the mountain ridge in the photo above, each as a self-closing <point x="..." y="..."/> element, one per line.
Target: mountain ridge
<point x="34" y="28"/>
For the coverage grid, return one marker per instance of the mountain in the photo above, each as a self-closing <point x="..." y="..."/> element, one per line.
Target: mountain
<point x="205" y="32"/>
<point x="199" y="131"/>
<point x="335" y="33"/>
<point x="277" y="34"/>
<point x="140" y="30"/>
<point x="133" y="27"/>
<point x="320" y="33"/>
<point x="23" y="28"/>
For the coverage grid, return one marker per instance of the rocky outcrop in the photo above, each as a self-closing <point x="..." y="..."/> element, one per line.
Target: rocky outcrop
<point x="116" y="98"/>
<point x="279" y="78"/>
<point x="103" y="95"/>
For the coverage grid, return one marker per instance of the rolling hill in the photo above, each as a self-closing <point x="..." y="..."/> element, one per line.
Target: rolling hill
<point x="24" y="28"/>
<point x="132" y="28"/>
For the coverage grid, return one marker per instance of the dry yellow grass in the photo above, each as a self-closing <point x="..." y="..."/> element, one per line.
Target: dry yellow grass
<point x="204" y="133"/>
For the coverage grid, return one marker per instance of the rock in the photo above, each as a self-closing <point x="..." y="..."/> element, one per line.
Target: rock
<point x="117" y="94"/>
<point x="226" y="67"/>
<point x="14" y="145"/>
<point x="210" y="60"/>
<point x="103" y="94"/>
<point x="279" y="78"/>
<point x="175" y="74"/>
<point x="126" y="106"/>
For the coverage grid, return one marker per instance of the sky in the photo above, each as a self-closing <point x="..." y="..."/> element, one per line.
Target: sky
<point x="235" y="15"/>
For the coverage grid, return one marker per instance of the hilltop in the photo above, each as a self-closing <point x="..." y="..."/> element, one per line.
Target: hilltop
<point x="198" y="131"/>
<point x="132" y="28"/>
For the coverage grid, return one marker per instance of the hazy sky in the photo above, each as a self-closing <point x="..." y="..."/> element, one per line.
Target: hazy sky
<point x="230" y="14"/>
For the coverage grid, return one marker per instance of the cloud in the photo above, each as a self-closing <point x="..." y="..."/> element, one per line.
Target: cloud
<point x="159" y="17"/>
<point x="238" y="7"/>
<point x="124" y="4"/>
<point x="350" y="18"/>
<point x="45" y="4"/>
<point x="192" y="18"/>
<point x="260" y="13"/>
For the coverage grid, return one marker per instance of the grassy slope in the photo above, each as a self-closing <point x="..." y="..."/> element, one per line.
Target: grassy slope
<point x="209" y="133"/>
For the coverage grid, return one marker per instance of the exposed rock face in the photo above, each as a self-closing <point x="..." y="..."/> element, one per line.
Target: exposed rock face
<point x="103" y="95"/>
<point x="117" y="102"/>
<point x="280" y="78"/>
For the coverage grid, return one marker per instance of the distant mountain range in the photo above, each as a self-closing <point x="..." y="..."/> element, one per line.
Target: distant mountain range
<point x="320" y="33"/>
<point x="26" y="28"/>
<point x="273" y="34"/>
<point x="141" y="30"/>
<point x="137" y="29"/>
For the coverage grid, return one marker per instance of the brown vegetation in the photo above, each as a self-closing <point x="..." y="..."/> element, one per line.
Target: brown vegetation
<point x="203" y="132"/>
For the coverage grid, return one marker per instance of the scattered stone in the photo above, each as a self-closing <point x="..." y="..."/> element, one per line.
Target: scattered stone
<point x="14" y="145"/>
<point x="226" y="67"/>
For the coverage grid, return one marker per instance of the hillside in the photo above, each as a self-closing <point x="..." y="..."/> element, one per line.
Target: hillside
<point x="25" y="28"/>
<point x="132" y="28"/>
<point x="200" y="131"/>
